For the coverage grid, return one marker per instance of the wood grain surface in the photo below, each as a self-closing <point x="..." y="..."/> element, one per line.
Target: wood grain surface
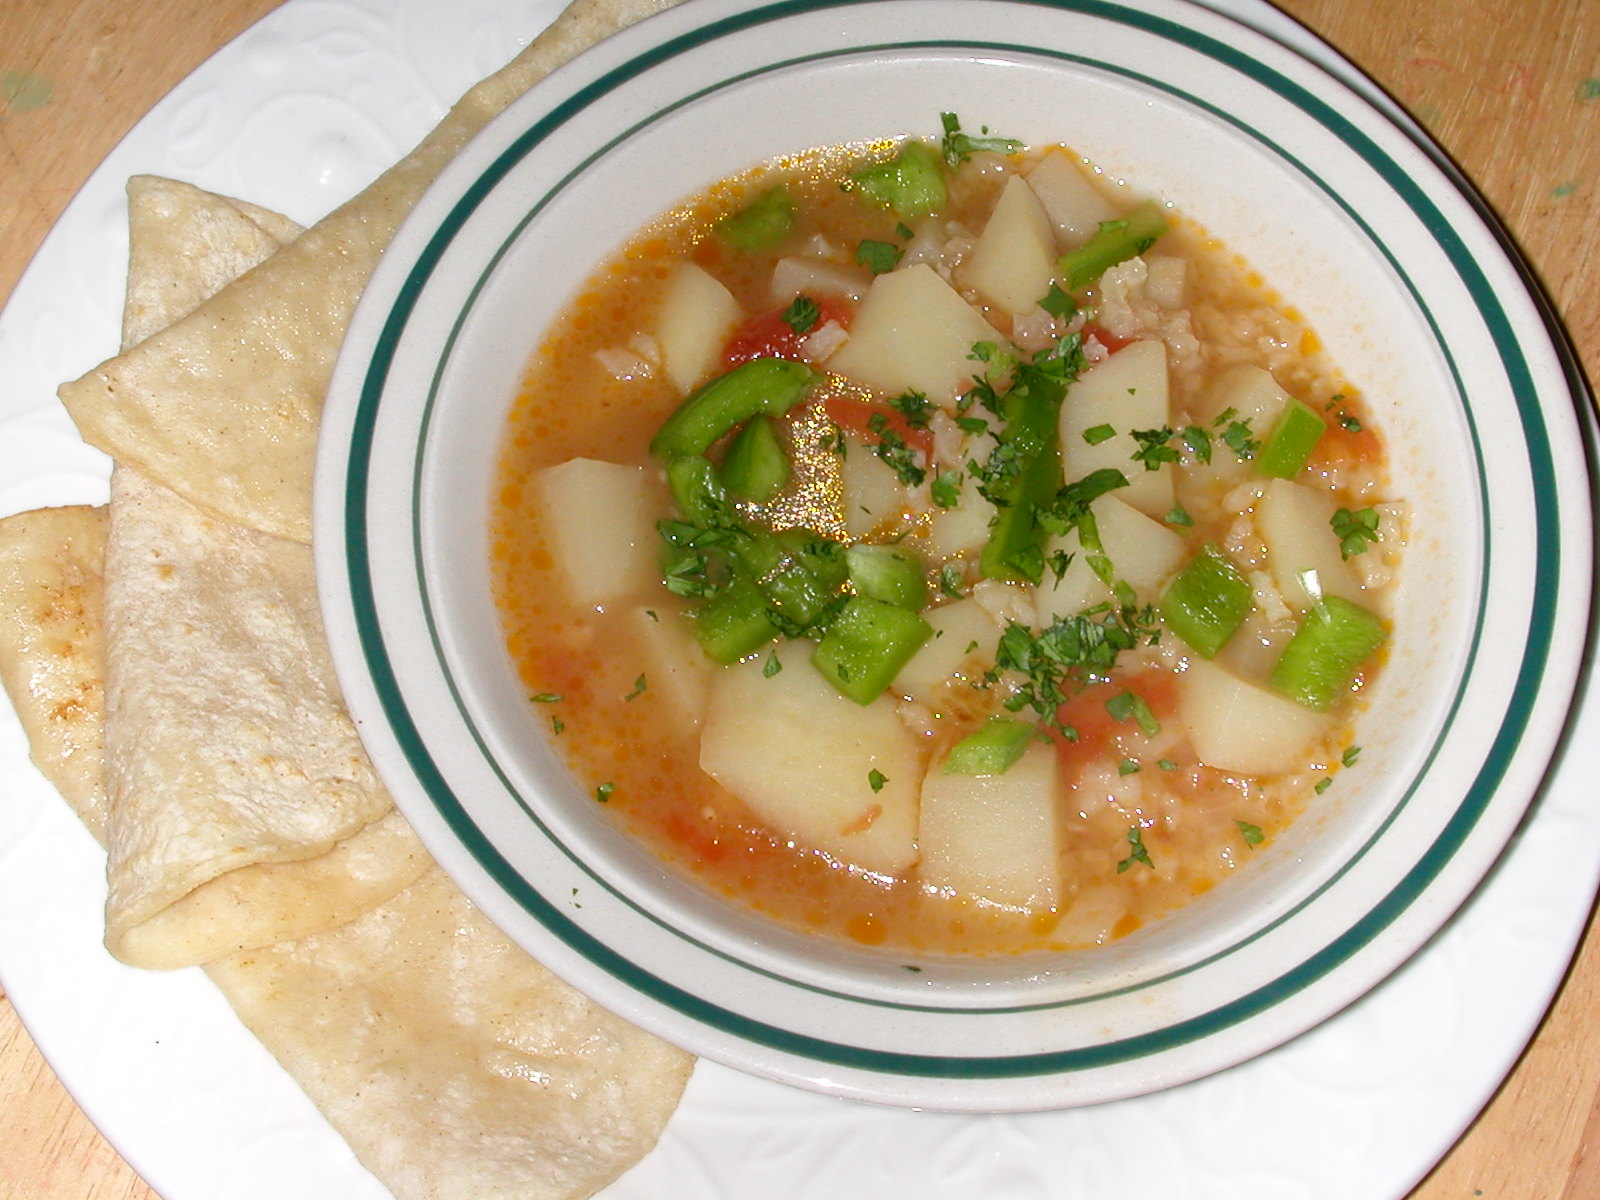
<point x="1510" y="88"/>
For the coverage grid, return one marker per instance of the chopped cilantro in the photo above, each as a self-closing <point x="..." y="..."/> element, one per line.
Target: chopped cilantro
<point x="774" y="665"/>
<point x="1138" y="854"/>
<point x="878" y="257"/>
<point x="1355" y="530"/>
<point x="892" y="449"/>
<point x="1155" y="447"/>
<point x="1058" y="303"/>
<point x="1179" y="516"/>
<point x="876" y="779"/>
<point x="1235" y="434"/>
<point x="1130" y="708"/>
<point x="1252" y="833"/>
<point x="802" y="314"/>
<point x="638" y="689"/>
<point x="1096" y="434"/>
<point x="946" y="489"/>
<point x="603" y="792"/>
<point x="915" y="407"/>
<point x="1199" y="442"/>
<point x="557" y="725"/>
<point x="958" y="146"/>
<point x="1072" y="651"/>
<point x="951" y="580"/>
<point x="1127" y="767"/>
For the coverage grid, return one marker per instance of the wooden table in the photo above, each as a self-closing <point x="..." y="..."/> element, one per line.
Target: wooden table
<point x="1511" y="88"/>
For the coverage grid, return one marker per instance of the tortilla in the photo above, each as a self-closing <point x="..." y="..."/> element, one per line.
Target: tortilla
<point x="456" y="1066"/>
<point x="170" y="221"/>
<point x="51" y="659"/>
<point x="242" y="809"/>
<point x="223" y="406"/>
<point x="453" y="1064"/>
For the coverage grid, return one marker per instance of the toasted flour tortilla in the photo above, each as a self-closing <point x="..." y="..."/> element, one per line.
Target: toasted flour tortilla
<point x="51" y="656"/>
<point x="241" y="808"/>
<point x="453" y="1064"/>
<point x="223" y="405"/>
<point x="456" y="1067"/>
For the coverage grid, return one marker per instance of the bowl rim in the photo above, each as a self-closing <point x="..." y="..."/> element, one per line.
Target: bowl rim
<point x="1442" y="877"/>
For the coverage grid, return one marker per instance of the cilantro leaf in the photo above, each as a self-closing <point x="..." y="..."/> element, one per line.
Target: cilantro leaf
<point x="958" y="146"/>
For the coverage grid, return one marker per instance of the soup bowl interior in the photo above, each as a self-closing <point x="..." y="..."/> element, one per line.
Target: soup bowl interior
<point x="1326" y="209"/>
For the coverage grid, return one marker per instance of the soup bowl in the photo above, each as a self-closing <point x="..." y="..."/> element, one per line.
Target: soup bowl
<point x="1334" y="201"/>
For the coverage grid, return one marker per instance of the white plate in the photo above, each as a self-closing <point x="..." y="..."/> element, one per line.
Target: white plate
<point x="1395" y="273"/>
<point x="298" y="114"/>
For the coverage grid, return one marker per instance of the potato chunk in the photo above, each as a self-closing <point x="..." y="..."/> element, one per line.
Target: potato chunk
<point x="600" y="519"/>
<point x="994" y="836"/>
<point x="1236" y="726"/>
<point x="697" y="315"/>
<point x="1296" y="523"/>
<point x="1075" y="205"/>
<point x="1143" y="552"/>
<point x="805" y="760"/>
<point x="1014" y="259"/>
<point x="913" y="332"/>
<point x="1128" y="393"/>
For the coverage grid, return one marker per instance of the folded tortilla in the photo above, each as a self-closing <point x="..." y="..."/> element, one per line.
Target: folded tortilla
<point x="242" y="809"/>
<point x="455" y="1066"/>
<point x="223" y="406"/>
<point x="51" y="649"/>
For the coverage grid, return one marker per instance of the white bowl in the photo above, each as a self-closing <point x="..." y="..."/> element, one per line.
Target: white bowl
<point x="1389" y="259"/>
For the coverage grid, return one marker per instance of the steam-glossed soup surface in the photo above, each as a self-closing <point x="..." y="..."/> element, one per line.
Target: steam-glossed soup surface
<point x="937" y="547"/>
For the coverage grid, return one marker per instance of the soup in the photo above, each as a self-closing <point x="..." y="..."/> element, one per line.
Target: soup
<point x="931" y="545"/>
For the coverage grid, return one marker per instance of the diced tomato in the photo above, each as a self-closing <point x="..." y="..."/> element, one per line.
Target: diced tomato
<point x="1097" y="728"/>
<point x="770" y="336"/>
<point x="1340" y="445"/>
<point x="1106" y="338"/>
<point x="869" y="422"/>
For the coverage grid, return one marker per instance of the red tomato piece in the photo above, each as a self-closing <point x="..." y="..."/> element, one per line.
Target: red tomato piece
<point x="1097" y="728"/>
<point x="770" y="336"/>
<point x="869" y="421"/>
<point x="1106" y="338"/>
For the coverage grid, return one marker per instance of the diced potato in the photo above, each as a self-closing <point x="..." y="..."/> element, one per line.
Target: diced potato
<point x="803" y="757"/>
<point x="600" y="519"/>
<point x="1078" y="587"/>
<point x="994" y="836"/>
<point x="1075" y="206"/>
<point x="1127" y="392"/>
<point x="1235" y="725"/>
<point x="1295" y="524"/>
<point x="800" y="275"/>
<point x="697" y="315"/>
<point x="1250" y="392"/>
<point x="871" y="492"/>
<point x="1014" y="259"/>
<point x="1143" y="553"/>
<point x="913" y="332"/>
<point x="961" y="648"/>
<point x="676" y="671"/>
<point x="963" y="529"/>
